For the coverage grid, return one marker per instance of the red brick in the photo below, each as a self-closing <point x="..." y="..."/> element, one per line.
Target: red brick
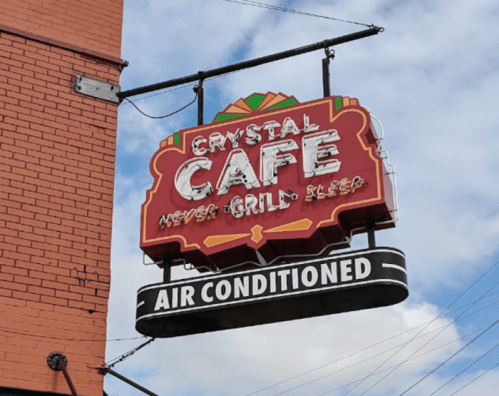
<point x="41" y="85"/>
<point x="68" y="296"/>
<point x="40" y="306"/>
<point x="54" y="300"/>
<point x="81" y="305"/>
<point x="27" y="280"/>
<point x="55" y="285"/>
<point x="42" y="275"/>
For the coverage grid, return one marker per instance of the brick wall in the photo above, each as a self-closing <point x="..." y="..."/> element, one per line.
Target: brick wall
<point x="57" y="153"/>
<point x="91" y="24"/>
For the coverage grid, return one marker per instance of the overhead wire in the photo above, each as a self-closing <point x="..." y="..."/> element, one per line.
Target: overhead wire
<point x="436" y="335"/>
<point x="450" y="357"/>
<point x="470" y="382"/>
<point x="437" y="317"/>
<point x="363" y="361"/>
<point x="465" y="369"/>
<point x="30" y="334"/>
<point x="372" y="346"/>
<point x="413" y="358"/>
<point x="290" y="10"/>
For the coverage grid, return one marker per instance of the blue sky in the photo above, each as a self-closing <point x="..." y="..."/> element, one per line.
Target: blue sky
<point x="432" y="79"/>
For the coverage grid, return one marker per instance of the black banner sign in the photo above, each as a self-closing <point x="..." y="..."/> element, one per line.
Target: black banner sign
<point x="333" y="284"/>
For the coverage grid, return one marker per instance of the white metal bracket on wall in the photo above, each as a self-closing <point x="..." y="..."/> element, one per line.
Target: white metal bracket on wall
<point x="97" y="89"/>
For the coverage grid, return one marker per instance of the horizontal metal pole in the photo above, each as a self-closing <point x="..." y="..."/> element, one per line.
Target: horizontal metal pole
<point x="250" y="63"/>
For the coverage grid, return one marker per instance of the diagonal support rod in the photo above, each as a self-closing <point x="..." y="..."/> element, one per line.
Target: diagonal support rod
<point x="58" y="362"/>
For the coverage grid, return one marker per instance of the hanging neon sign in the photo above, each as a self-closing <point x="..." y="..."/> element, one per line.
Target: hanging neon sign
<point x="269" y="178"/>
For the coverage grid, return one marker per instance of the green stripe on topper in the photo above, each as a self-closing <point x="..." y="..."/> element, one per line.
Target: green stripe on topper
<point x="286" y="103"/>
<point x="338" y="102"/>
<point x="223" y="117"/>
<point x="176" y="139"/>
<point x="254" y="101"/>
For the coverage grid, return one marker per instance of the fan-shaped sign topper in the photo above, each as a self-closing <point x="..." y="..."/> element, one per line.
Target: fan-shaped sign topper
<point x="270" y="179"/>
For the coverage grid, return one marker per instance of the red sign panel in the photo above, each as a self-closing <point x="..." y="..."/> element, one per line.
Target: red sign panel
<point x="270" y="179"/>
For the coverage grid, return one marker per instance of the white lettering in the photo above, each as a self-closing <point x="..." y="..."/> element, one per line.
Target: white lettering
<point x="174" y="297"/>
<point x="196" y="142"/>
<point x="289" y="126"/>
<point x="251" y="203"/>
<point x="186" y="294"/>
<point x="237" y="170"/>
<point x="329" y="273"/>
<point x="241" y="288"/>
<point x="259" y="284"/>
<point x="273" y="285"/>
<point x="346" y="270"/>
<point x="183" y="179"/>
<point x="270" y="127"/>
<point x="284" y="279"/>
<point x="309" y="276"/>
<point x="162" y="300"/>
<point x="362" y="268"/>
<point x="294" y="278"/>
<point x="252" y="136"/>
<point x="223" y="290"/>
<point x="204" y="292"/>
<point x="271" y="158"/>
<point x="270" y="206"/>
<point x="217" y="140"/>
<point x="313" y="162"/>
<point x="307" y="127"/>
<point x="235" y="137"/>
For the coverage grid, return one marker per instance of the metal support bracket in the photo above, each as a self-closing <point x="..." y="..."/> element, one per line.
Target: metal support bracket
<point x="58" y="362"/>
<point x="200" y="91"/>
<point x="371" y="238"/>
<point x="326" y="84"/>
<point x="97" y="89"/>
<point x="167" y="268"/>
<point x="329" y="53"/>
<point x="373" y="30"/>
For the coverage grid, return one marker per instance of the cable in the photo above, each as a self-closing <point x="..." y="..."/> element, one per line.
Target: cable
<point x="350" y="366"/>
<point x="284" y="9"/>
<point x="163" y="92"/>
<point x="374" y="345"/>
<point x="413" y="358"/>
<point x="68" y="339"/>
<point x="178" y="88"/>
<point x="372" y="357"/>
<point x="472" y="364"/>
<point x="167" y="115"/>
<point x="449" y="358"/>
<point x="438" y="316"/>
<point x="436" y="335"/>
<point x="470" y="382"/>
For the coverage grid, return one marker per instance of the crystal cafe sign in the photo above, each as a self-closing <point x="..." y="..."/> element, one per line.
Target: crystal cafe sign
<point x="269" y="179"/>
